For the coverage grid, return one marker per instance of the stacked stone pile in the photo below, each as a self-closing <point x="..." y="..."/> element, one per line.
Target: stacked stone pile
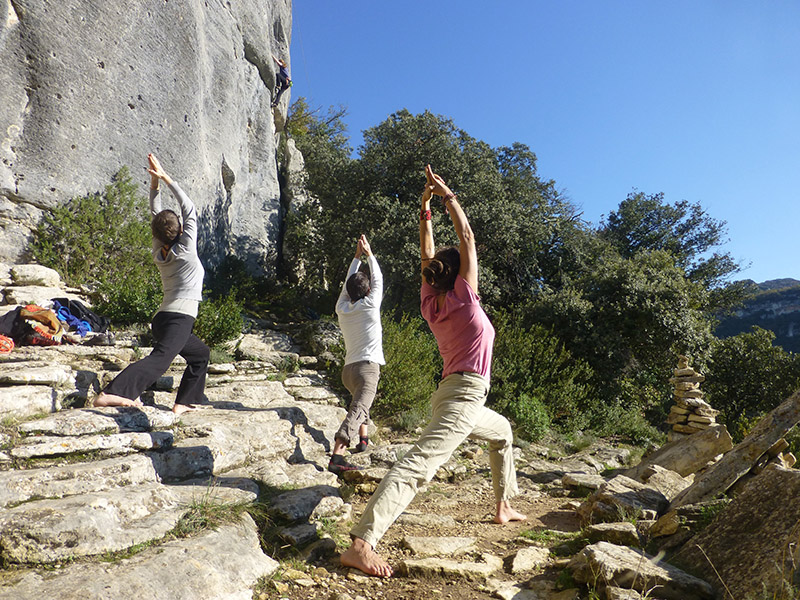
<point x="690" y="413"/>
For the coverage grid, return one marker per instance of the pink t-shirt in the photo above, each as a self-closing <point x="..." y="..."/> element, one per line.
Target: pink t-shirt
<point x="461" y="328"/>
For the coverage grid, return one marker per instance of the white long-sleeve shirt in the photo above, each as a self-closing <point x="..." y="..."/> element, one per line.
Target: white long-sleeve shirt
<point x="360" y="321"/>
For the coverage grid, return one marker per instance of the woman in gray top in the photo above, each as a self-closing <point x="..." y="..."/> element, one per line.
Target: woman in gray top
<point x="175" y="255"/>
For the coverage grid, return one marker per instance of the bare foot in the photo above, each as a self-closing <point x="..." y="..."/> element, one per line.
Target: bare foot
<point x="361" y="556"/>
<point x="179" y="409"/>
<point x="505" y="513"/>
<point x="104" y="399"/>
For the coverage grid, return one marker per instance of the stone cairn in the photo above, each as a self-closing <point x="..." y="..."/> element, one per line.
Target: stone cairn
<point x="690" y="413"/>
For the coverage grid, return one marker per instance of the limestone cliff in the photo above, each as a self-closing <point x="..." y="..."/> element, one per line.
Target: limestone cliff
<point x="87" y="86"/>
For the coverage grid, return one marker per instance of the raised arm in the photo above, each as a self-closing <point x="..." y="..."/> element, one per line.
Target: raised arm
<point x="466" y="247"/>
<point x="344" y="297"/>
<point x="375" y="274"/>
<point x="188" y="210"/>
<point x="426" y="246"/>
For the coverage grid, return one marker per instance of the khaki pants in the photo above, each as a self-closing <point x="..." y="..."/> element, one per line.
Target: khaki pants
<point x="458" y="412"/>
<point x="361" y="380"/>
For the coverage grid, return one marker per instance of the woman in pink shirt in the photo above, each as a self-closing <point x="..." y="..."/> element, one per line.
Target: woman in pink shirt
<point x="450" y="305"/>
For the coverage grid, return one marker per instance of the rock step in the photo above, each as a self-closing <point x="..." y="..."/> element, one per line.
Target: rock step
<point x="225" y="563"/>
<point x="57" y="482"/>
<point x="45" y="531"/>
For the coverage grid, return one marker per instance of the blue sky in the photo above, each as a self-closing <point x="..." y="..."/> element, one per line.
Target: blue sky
<point x="697" y="99"/>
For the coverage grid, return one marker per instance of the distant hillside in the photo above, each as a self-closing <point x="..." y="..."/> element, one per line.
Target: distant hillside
<point x="776" y="307"/>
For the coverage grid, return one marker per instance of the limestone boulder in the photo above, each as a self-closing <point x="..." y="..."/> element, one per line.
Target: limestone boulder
<point x="35" y="275"/>
<point x="619" y="566"/>
<point x="298" y="505"/>
<point x="686" y="455"/>
<point x="622" y="534"/>
<point x="270" y="346"/>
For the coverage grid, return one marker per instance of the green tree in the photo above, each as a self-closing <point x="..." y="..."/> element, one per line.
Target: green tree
<point x="103" y="241"/>
<point x="647" y="222"/>
<point x="521" y="223"/>
<point x="625" y="313"/>
<point x="748" y="376"/>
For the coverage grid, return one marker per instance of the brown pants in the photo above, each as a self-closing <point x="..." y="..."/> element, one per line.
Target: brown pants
<point x="361" y="380"/>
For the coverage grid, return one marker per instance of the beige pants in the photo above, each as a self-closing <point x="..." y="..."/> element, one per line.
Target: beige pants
<point x="458" y="412"/>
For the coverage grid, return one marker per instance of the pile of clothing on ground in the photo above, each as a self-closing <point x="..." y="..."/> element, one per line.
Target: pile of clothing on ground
<point x="65" y="322"/>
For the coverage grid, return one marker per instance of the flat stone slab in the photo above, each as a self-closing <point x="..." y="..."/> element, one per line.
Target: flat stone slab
<point x="22" y="401"/>
<point x="70" y="480"/>
<point x="216" y="441"/>
<point x="35" y="294"/>
<point x="36" y="373"/>
<point x="86" y="421"/>
<point x="311" y="393"/>
<point x="621" y="534"/>
<point x="216" y="490"/>
<point x="471" y="571"/>
<point x="426" y="520"/>
<point x="225" y="563"/>
<point x="587" y="481"/>
<point x="277" y="473"/>
<point x="619" y="566"/>
<point x="293" y="382"/>
<point x="109" y="445"/>
<point x="45" y="531"/>
<point x="439" y="546"/>
<point x="528" y="559"/>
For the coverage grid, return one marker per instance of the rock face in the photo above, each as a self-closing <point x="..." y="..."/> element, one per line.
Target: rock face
<point x="89" y="86"/>
<point x="750" y="549"/>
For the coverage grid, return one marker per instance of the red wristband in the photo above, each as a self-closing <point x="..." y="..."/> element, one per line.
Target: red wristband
<point x="425" y="215"/>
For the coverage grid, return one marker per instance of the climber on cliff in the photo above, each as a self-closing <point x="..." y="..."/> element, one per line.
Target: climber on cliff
<point x="359" y="311"/>
<point x="174" y="252"/>
<point x="282" y="80"/>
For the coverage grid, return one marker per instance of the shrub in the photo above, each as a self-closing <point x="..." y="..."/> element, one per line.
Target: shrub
<point x="219" y="319"/>
<point x="535" y="381"/>
<point x="412" y="368"/>
<point x="103" y="240"/>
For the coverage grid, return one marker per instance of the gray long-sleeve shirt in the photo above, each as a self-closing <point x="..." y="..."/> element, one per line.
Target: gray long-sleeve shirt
<point x="181" y="271"/>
